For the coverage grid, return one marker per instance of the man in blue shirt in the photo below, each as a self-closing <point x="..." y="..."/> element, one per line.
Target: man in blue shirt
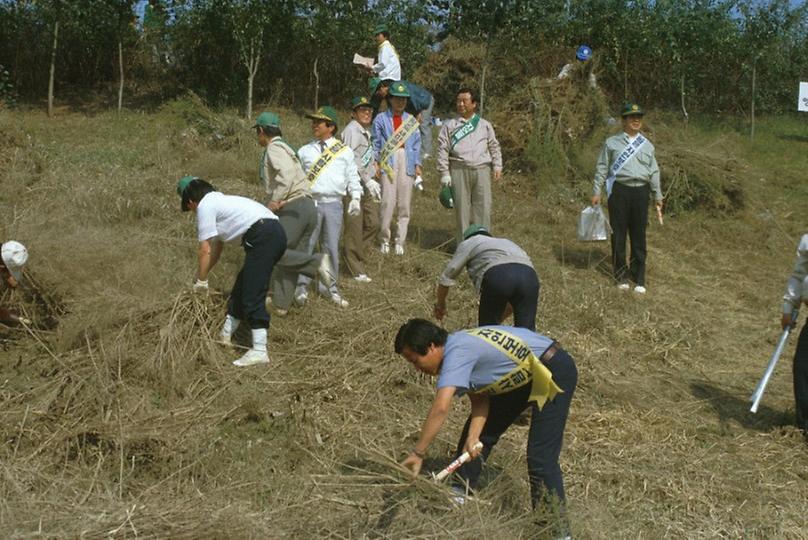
<point x="504" y="370"/>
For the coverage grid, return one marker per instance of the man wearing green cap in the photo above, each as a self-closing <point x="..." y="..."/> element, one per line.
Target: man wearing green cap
<point x="288" y="196"/>
<point x="502" y="273"/>
<point x="332" y="174"/>
<point x="468" y="150"/>
<point x="363" y="229"/>
<point x="420" y="104"/>
<point x="397" y="153"/>
<point x="628" y="168"/>
<point x="387" y="64"/>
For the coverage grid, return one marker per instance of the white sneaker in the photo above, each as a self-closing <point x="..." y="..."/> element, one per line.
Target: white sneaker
<point x="623" y="286"/>
<point x="385" y="249"/>
<point x="251" y="358"/>
<point x="639" y="289"/>
<point x="281" y="312"/>
<point x="363" y="278"/>
<point x="339" y="300"/>
<point x="458" y="495"/>
<point x="301" y="298"/>
<point x="399" y="249"/>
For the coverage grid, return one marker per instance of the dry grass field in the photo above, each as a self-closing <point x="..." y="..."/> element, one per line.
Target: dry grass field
<point x="120" y="417"/>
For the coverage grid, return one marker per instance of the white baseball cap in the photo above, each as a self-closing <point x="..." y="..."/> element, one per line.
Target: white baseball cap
<point x="14" y="257"/>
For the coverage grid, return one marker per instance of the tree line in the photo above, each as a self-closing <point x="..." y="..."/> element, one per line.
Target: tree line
<point x="694" y="55"/>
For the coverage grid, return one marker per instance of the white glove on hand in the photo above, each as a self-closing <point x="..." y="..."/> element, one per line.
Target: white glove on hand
<point x="374" y="189"/>
<point x="200" y="285"/>
<point x="353" y="208"/>
<point x="446" y="180"/>
<point x="419" y="183"/>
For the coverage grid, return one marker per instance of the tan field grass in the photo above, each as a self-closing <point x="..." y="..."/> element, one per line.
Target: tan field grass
<point x="122" y="416"/>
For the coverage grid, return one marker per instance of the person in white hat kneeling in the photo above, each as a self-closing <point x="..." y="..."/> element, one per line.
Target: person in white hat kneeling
<point x="14" y="257"/>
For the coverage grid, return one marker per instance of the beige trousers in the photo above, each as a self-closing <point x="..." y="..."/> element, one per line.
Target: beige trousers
<point x="359" y="232"/>
<point x="472" y="196"/>
<point x="396" y="197"/>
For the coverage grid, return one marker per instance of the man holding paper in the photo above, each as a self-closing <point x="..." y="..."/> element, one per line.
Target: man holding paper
<point x="628" y="169"/>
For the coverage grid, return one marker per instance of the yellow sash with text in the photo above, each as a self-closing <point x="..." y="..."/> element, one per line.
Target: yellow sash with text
<point x="399" y="138"/>
<point x="528" y="367"/>
<point x="325" y="159"/>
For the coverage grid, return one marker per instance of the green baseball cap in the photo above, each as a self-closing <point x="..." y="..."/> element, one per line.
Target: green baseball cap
<point x="473" y="229"/>
<point x="360" y="101"/>
<point x="183" y="183"/>
<point x="326" y="113"/>
<point x="446" y="197"/>
<point x="399" y="89"/>
<point x="268" y="119"/>
<point x="379" y="29"/>
<point x="631" y="109"/>
<point x="373" y="84"/>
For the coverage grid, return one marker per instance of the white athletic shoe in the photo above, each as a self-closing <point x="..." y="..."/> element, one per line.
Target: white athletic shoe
<point x="251" y="358"/>
<point x="639" y="289"/>
<point x="458" y="495"/>
<point x="362" y="278"/>
<point x="339" y="300"/>
<point x="399" y="249"/>
<point x="281" y="312"/>
<point x="301" y="298"/>
<point x="385" y="249"/>
<point x="623" y="286"/>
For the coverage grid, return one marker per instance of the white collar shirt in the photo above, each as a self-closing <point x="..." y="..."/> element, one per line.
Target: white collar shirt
<point x="338" y="178"/>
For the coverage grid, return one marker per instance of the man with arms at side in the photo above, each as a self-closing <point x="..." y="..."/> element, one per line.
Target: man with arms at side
<point x="628" y="168"/>
<point x="468" y="150"/>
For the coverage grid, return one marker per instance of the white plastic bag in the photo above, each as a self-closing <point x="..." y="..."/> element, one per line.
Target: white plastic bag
<point x="592" y="224"/>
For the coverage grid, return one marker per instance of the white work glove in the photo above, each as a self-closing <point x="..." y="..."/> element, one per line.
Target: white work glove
<point x="419" y="183"/>
<point x="446" y="180"/>
<point x="200" y="285"/>
<point x="374" y="189"/>
<point x="354" y="208"/>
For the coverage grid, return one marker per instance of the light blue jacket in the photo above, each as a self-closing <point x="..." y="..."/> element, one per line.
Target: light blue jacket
<point x="383" y="130"/>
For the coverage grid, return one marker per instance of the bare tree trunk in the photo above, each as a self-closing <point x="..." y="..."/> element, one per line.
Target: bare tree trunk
<point x="625" y="76"/>
<point x="682" y="93"/>
<point x="52" y="68"/>
<point x="754" y="81"/>
<point x="482" y="88"/>
<point x="316" y="85"/>
<point x="120" y="86"/>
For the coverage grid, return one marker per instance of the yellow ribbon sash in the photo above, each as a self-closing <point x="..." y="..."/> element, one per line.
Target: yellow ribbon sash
<point x="325" y="159"/>
<point x="528" y="367"/>
<point x="404" y="132"/>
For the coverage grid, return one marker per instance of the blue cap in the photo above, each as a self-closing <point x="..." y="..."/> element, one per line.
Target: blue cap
<point x="583" y="53"/>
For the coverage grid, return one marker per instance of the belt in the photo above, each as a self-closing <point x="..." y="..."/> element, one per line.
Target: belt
<point x="547" y="355"/>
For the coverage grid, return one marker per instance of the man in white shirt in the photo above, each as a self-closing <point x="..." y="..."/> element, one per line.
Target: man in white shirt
<point x="331" y="169"/>
<point x="387" y="64"/>
<point x="226" y="218"/>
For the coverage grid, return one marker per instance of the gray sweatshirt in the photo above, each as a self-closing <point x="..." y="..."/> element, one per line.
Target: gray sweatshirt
<point x="478" y="254"/>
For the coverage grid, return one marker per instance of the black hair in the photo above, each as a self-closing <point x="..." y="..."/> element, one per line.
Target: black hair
<point x="468" y="91"/>
<point x="418" y="335"/>
<point x="386" y="34"/>
<point x="386" y="82"/>
<point x="194" y="192"/>
<point x="329" y="123"/>
<point x="475" y="233"/>
<point x="269" y="131"/>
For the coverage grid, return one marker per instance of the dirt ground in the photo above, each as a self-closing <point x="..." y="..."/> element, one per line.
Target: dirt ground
<point x="121" y="417"/>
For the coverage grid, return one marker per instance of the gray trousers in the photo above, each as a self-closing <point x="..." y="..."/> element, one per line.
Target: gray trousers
<point x="472" y="196"/>
<point x="298" y="219"/>
<point x="425" y="128"/>
<point x="326" y="235"/>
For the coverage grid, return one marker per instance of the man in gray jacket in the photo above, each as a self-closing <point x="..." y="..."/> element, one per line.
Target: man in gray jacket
<point x="501" y="272"/>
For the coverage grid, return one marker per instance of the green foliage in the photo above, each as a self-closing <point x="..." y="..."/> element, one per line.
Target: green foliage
<point x="7" y="93"/>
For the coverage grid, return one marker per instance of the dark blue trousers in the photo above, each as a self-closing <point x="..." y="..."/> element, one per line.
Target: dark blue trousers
<point x="264" y="244"/>
<point x="801" y="380"/>
<point x="546" y="434"/>
<point x="512" y="283"/>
